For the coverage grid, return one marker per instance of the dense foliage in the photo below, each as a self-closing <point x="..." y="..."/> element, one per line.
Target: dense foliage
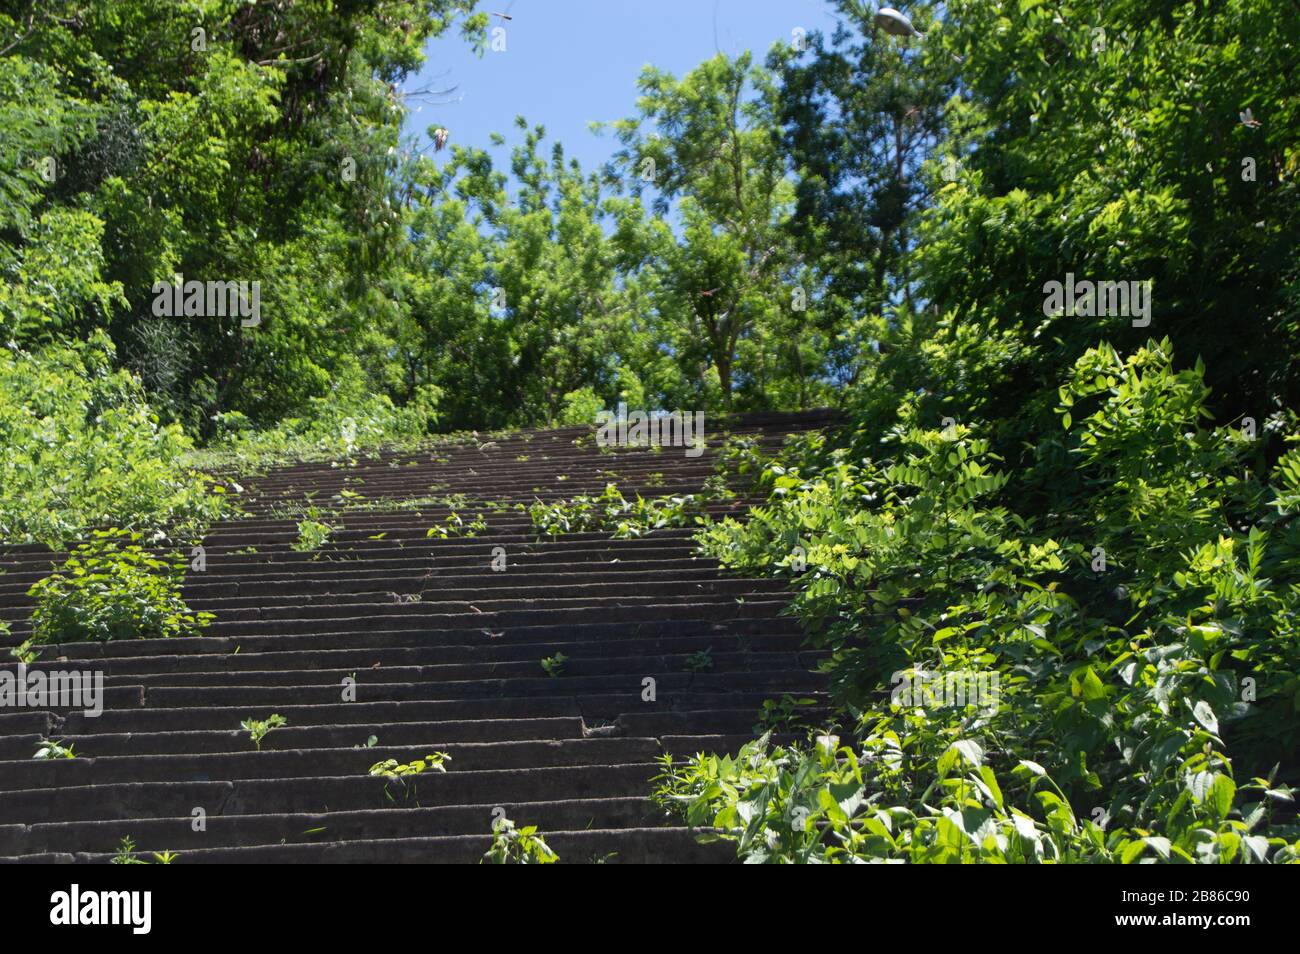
<point x="853" y="220"/>
<point x="1137" y="640"/>
<point x="223" y="141"/>
<point x="113" y="588"/>
<point x="84" y="449"/>
<point x="1097" y="524"/>
<point x="1089" y="504"/>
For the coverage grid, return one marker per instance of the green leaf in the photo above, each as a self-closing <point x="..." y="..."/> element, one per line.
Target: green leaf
<point x="970" y="751"/>
<point x="1131" y="851"/>
<point x="1223" y="793"/>
<point x="1205" y="716"/>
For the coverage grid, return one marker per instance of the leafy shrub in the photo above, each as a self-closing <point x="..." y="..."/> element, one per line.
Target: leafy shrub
<point x="782" y="715"/>
<point x="83" y="449"/>
<point x="823" y="804"/>
<point x="517" y="846"/>
<point x="701" y="661"/>
<point x="112" y="588"/>
<point x="1134" y="597"/>
<point x="580" y="407"/>
<point x="312" y="535"/>
<point x="338" y="426"/>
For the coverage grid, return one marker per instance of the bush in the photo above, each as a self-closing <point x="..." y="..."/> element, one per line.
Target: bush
<point x="83" y="449"/>
<point x="335" y="427"/>
<point x="312" y="535"/>
<point x="580" y="407"/>
<point x="112" y="588"/>
<point x="821" y="804"/>
<point x="1132" y="601"/>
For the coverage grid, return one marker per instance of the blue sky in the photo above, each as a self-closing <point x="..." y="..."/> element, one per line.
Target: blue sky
<point x="568" y="62"/>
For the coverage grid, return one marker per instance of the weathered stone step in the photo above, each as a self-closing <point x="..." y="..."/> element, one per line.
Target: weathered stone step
<point x="444" y="654"/>
<point x="225" y="831"/>
<point x="597" y="710"/>
<point x="419" y="636"/>
<point x="91" y="770"/>
<point x="481" y="651"/>
<point x="540" y="685"/>
<point x="612" y="846"/>
<point x="574" y="665"/>
<point x="129" y="800"/>
<point x="416" y="617"/>
<point x="189" y="742"/>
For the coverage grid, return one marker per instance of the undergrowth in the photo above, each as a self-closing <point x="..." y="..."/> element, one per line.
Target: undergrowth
<point x="1134" y="636"/>
<point x="113" y="588"/>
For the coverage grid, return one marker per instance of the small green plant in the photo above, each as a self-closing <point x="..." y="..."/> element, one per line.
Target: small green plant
<point x="49" y="749"/>
<point x="25" y="652"/>
<point x="611" y="511"/>
<point x="554" y="665"/>
<point x="312" y="535"/>
<point x="126" y="855"/>
<point x="259" y="729"/>
<point x="454" y="525"/>
<point x="517" y="846"/>
<point x="112" y="588"/>
<point x="402" y="773"/>
<point x="701" y="661"/>
<point x="391" y="768"/>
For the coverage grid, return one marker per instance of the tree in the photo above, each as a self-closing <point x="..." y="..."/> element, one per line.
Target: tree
<point x="722" y="275"/>
<point x="223" y="141"/>
<point x="861" y="114"/>
<point x="1118" y="142"/>
<point x="513" y="293"/>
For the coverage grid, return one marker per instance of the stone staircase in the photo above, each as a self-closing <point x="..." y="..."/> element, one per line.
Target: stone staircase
<point x="386" y="643"/>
